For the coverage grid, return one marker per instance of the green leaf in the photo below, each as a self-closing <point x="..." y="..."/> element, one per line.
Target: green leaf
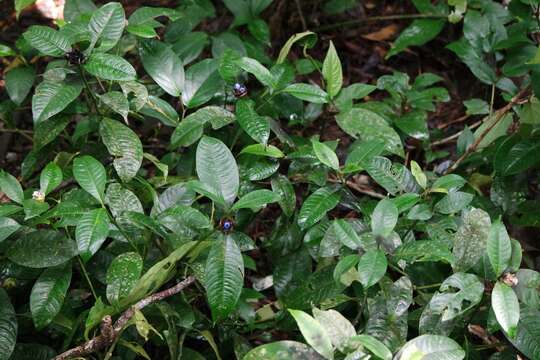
<point x="423" y="250"/>
<point x="499" y="248"/>
<point x="281" y="350"/>
<point x="124" y="145"/>
<point x="121" y="200"/>
<point x="8" y="326"/>
<point x="110" y="67"/>
<point x="106" y="25"/>
<point x="20" y="5"/>
<point x="332" y="72"/>
<point x="161" y="110"/>
<point x="257" y="127"/>
<point x="256" y="199"/>
<point x="122" y="275"/>
<point x="314" y="333"/>
<point x="260" y="30"/>
<point x="224" y="277"/>
<point x="188" y="132"/>
<point x="337" y="327"/>
<point x="216" y="168"/>
<point x="474" y="60"/>
<point x="384" y="218"/>
<point x="316" y="206"/>
<point x="418" y="33"/>
<point x="163" y="66"/>
<point x="372" y="267"/>
<point x="73" y="9"/>
<point x="431" y="347"/>
<point x="307" y="92"/>
<point x="376" y="347"/>
<point x="202" y="83"/>
<point x="10" y="186"/>
<point x="50" y="178"/>
<point x="369" y="126"/>
<point x="47" y="40"/>
<point x="344" y="233"/>
<point x="528" y="333"/>
<point x="91" y="231"/>
<point x="19" y="82"/>
<point x="470" y="240"/>
<point x="41" y="249"/>
<point x="514" y="156"/>
<point x="50" y="98"/>
<point x="307" y="37"/>
<point x="325" y="154"/>
<point x="262" y="74"/>
<point x="282" y="186"/>
<point x="90" y="175"/>
<point x="117" y="102"/>
<point x="7" y="227"/>
<point x="418" y="174"/>
<point x="263" y="150"/>
<point x="505" y="305"/>
<point x="48" y="294"/>
<point x="453" y="202"/>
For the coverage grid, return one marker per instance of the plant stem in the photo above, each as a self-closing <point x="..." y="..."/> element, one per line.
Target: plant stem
<point x="427" y="286"/>
<point x="380" y="18"/>
<point x="89" y="90"/>
<point x="83" y="268"/>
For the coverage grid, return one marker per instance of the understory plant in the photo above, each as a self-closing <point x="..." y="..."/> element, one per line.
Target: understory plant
<point x="192" y="194"/>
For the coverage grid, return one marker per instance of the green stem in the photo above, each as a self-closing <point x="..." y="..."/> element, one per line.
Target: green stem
<point x="83" y="268"/>
<point x="380" y="18"/>
<point x="89" y="90"/>
<point x="428" y="286"/>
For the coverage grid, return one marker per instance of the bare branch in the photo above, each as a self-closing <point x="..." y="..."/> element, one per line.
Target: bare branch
<point x="110" y="332"/>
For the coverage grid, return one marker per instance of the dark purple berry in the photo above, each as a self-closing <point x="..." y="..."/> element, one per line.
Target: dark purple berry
<point x="75" y="57"/>
<point x="239" y="90"/>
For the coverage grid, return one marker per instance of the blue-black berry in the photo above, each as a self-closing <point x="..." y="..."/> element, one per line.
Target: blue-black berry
<point x="226" y="225"/>
<point x="239" y="90"/>
<point x="75" y="57"/>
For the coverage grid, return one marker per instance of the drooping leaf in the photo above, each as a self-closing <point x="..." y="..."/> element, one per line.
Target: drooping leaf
<point x="332" y="72"/>
<point x="163" y="65"/>
<point x="372" y="267"/>
<point x="19" y="82"/>
<point x="337" y="327"/>
<point x="316" y="206"/>
<point x="506" y="308"/>
<point x="91" y="231"/>
<point x="8" y="326"/>
<point x="47" y="40"/>
<point x="106" y="26"/>
<point x="122" y="275"/>
<point x="314" y="333"/>
<point x="224" y="277"/>
<point x="48" y="294"/>
<point x="91" y="175"/>
<point x="125" y="145"/>
<point x="110" y="67"/>
<point x="499" y="247"/>
<point x="52" y="97"/>
<point x="216" y="168"/>
<point x="256" y="199"/>
<point x="41" y="249"/>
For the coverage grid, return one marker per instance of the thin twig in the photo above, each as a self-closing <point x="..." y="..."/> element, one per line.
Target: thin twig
<point x="110" y="332"/>
<point x="499" y="114"/>
<point x="454" y="136"/>
<point x="380" y="18"/>
<point x="302" y="18"/>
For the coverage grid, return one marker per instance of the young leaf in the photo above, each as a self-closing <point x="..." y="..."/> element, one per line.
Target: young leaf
<point x="254" y="67"/>
<point x="373" y="345"/>
<point x="125" y="145"/>
<point x="224" y="277"/>
<point x="314" y="333"/>
<point x="506" y="307"/>
<point x="122" y="275"/>
<point x="316" y="206"/>
<point x="307" y="92"/>
<point x="48" y="293"/>
<point x="50" y="98"/>
<point x="91" y="175"/>
<point x="431" y="347"/>
<point x="256" y="126"/>
<point x="384" y="218"/>
<point x="372" y="267"/>
<point x="263" y="150"/>
<point x="499" y="248"/>
<point x="256" y="199"/>
<point x="19" y="82"/>
<point x="418" y="174"/>
<point x="106" y="25"/>
<point x="10" y="186"/>
<point x="332" y="72"/>
<point x="216" y="168"/>
<point x="325" y="154"/>
<point x="338" y="328"/>
<point x="51" y="176"/>
<point x="8" y="326"/>
<point x="91" y="231"/>
<point x="163" y="65"/>
<point x="309" y="38"/>
<point x="47" y="40"/>
<point x="110" y="67"/>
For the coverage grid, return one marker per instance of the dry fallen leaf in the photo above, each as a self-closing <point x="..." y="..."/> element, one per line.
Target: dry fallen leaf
<point x="383" y="34"/>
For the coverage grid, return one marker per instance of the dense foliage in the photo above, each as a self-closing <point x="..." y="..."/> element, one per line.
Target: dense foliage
<point x="164" y="151"/>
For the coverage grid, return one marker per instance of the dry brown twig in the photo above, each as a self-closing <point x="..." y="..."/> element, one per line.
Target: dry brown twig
<point x="110" y="333"/>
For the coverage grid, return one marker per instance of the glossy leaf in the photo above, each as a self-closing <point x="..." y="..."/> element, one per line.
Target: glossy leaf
<point x="506" y="307"/>
<point x="307" y="92"/>
<point x="499" y="248"/>
<point x="283" y="350"/>
<point x="325" y="154"/>
<point x="19" y="82"/>
<point x="106" y="26"/>
<point x="163" y="65"/>
<point x="41" y="249"/>
<point x="10" y="186"/>
<point x="254" y="67"/>
<point x="332" y="72"/>
<point x="201" y="83"/>
<point x="47" y="40"/>
<point x="337" y="327"/>
<point x="122" y="275"/>
<point x="316" y="206"/>
<point x="50" y="98"/>
<point x="7" y="227"/>
<point x="470" y="240"/>
<point x="256" y="199"/>
<point x="110" y="67"/>
<point x="256" y="126"/>
<point x="431" y="347"/>
<point x="384" y="218"/>
<point x="91" y="175"/>
<point x="418" y="33"/>
<point x="372" y="267"/>
<point x="8" y="326"/>
<point x="314" y="333"/>
<point x="91" y="231"/>
<point x="50" y="178"/>
<point x="48" y="294"/>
